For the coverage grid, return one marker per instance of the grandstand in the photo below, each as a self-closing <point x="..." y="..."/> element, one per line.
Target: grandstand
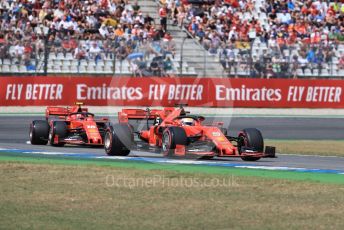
<point x="247" y="38"/>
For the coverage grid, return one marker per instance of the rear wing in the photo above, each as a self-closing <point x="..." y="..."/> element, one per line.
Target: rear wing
<point x="62" y="111"/>
<point x="140" y="114"/>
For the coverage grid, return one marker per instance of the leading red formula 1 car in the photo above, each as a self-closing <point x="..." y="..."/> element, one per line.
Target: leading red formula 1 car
<point x="178" y="134"/>
<point x="68" y="125"/>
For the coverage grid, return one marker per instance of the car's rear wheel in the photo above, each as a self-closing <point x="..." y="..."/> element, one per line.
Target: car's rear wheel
<point x="39" y="132"/>
<point x="118" y="140"/>
<point x="59" y="128"/>
<point x="251" y="138"/>
<point x="172" y="137"/>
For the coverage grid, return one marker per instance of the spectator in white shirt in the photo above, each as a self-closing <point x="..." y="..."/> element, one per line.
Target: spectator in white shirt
<point x="285" y="18"/>
<point x="95" y="52"/>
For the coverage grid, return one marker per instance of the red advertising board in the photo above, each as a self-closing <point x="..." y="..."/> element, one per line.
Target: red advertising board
<point x="208" y="92"/>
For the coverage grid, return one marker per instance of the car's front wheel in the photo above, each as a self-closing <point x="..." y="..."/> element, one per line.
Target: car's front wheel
<point x="172" y="137"/>
<point x="39" y="132"/>
<point x="118" y="140"/>
<point x="59" y="129"/>
<point x="252" y="139"/>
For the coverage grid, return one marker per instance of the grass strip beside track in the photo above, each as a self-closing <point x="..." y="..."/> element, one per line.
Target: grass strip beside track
<point x="308" y="147"/>
<point x="47" y="196"/>
<point x="275" y="174"/>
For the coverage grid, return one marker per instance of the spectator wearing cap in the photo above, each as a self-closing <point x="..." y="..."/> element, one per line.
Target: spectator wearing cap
<point x="119" y="31"/>
<point x="139" y="19"/>
<point x="135" y="32"/>
<point x="233" y="34"/>
<point x="126" y="18"/>
<point x="95" y="52"/>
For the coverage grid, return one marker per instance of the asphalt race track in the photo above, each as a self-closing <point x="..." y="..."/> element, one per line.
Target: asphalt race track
<point x="16" y="129"/>
<point x="14" y="134"/>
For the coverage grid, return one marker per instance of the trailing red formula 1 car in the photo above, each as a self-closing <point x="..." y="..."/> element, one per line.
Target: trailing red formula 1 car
<point x="68" y="125"/>
<point x="178" y="134"/>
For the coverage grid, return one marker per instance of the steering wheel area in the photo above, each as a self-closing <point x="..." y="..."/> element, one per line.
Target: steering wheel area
<point x="83" y="114"/>
<point x="194" y="117"/>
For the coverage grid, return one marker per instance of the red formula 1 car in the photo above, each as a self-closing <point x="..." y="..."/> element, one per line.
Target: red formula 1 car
<point x="177" y="133"/>
<point x="68" y="125"/>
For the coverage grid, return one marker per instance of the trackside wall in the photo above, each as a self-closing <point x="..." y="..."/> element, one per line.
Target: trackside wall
<point x="154" y="91"/>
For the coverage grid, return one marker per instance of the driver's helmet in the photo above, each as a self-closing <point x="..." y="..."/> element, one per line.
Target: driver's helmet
<point x="80" y="116"/>
<point x="188" y="121"/>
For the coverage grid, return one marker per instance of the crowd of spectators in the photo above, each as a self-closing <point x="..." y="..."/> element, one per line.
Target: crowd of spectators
<point x="313" y="29"/>
<point x="89" y="29"/>
<point x="293" y="35"/>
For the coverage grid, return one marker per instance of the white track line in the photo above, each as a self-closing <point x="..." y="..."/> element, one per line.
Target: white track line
<point x="278" y="154"/>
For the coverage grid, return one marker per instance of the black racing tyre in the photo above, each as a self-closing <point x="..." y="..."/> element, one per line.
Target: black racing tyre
<point x="102" y="127"/>
<point x="251" y="138"/>
<point x="118" y="140"/>
<point x="171" y="137"/>
<point x="39" y="132"/>
<point x="207" y="157"/>
<point x="58" y="128"/>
